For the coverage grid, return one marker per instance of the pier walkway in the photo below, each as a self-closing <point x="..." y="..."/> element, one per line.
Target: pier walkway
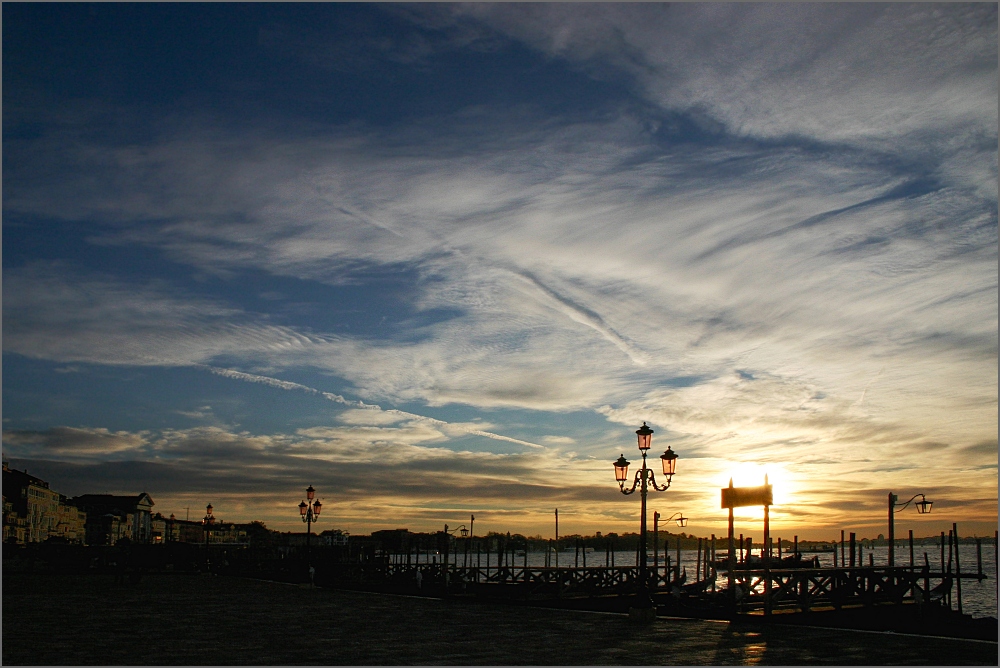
<point x="193" y="619"/>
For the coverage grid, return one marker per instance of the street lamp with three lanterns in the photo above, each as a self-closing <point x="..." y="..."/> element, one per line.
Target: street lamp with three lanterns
<point x="644" y="479"/>
<point x="207" y="522"/>
<point x="310" y="512"/>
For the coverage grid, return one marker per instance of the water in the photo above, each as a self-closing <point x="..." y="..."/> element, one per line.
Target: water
<point x="979" y="597"/>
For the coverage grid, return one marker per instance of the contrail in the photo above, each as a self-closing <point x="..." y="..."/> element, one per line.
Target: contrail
<point x="585" y="316"/>
<point x="336" y="398"/>
<point x="865" y="391"/>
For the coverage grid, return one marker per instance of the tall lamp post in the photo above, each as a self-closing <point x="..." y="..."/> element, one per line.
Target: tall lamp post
<point x="310" y="512"/>
<point x="207" y="522"/>
<point x="923" y="506"/>
<point x="644" y="478"/>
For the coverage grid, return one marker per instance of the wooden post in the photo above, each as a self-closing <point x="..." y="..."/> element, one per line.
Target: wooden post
<point x="656" y="548"/>
<point x="697" y="567"/>
<point x="950" y="545"/>
<point x="843" y="561"/>
<point x="927" y="579"/>
<point x="732" y="555"/>
<point x="958" y="567"/>
<point x="714" y="564"/>
<point x="779" y="548"/>
<point x="766" y="544"/>
<point x="892" y="530"/>
<point x="853" y="550"/>
<point x="678" y="556"/>
<point x="942" y="552"/>
<point x="796" y="547"/>
<point x="557" y="538"/>
<point x="767" y="566"/>
<point x="911" y="548"/>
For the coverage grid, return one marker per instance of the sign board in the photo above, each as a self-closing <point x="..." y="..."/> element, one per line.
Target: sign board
<point x="736" y="497"/>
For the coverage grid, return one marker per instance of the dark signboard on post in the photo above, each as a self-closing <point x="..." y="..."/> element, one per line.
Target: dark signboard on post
<point x="736" y="497"/>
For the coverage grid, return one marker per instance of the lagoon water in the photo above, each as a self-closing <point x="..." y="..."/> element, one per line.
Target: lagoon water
<point x="979" y="598"/>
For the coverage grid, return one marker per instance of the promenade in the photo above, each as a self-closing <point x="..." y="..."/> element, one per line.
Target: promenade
<point x="183" y="619"/>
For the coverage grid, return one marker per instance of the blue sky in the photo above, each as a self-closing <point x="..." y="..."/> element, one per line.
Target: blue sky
<point x="445" y="259"/>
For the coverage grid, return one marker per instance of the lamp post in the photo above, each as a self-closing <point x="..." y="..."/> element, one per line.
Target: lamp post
<point x="207" y="523"/>
<point x="310" y="513"/>
<point x="681" y="522"/>
<point x="644" y="478"/>
<point x="923" y="506"/>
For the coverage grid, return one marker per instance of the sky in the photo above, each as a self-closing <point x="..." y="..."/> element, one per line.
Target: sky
<point x="438" y="260"/>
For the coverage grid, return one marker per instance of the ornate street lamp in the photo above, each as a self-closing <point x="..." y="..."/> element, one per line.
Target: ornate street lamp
<point x="923" y="506"/>
<point x="207" y="521"/>
<point x="310" y="512"/>
<point x="644" y="478"/>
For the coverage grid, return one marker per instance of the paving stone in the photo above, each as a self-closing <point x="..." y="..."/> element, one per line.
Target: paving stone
<point x="180" y="619"/>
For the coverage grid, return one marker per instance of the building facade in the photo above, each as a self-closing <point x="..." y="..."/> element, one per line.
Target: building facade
<point x="34" y="513"/>
<point x="112" y="518"/>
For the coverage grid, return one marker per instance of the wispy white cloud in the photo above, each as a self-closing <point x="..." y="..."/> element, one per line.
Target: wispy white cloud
<point x="803" y="200"/>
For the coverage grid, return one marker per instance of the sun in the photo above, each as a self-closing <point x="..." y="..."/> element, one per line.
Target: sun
<point x="784" y="484"/>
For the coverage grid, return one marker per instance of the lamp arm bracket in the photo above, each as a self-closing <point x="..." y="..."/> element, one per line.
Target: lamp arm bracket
<point x="658" y="488"/>
<point x="903" y="506"/>
<point x="635" y="483"/>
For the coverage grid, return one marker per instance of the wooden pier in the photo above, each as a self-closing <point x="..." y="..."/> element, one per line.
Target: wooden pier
<point x="754" y="590"/>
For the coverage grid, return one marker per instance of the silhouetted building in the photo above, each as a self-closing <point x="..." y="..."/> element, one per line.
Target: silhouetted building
<point x="112" y="518"/>
<point x="33" y="513"/>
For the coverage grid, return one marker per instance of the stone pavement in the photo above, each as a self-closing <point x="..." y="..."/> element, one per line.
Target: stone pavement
<point x="182" y="619"/>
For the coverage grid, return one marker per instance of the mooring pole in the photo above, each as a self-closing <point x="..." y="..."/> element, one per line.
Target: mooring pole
<point x="958" y="567"/>
<point x="892" y="531"/>
<point x="714" y="571"/>
<point x="656" y="549"/>
<point x="678" y="556"/>
<point x="766" y="545"/>
<point x="911" y="548"/>
<point x="732" y="554"/>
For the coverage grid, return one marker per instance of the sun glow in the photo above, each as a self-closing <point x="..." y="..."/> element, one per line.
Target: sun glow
<point x="784" y="484"/>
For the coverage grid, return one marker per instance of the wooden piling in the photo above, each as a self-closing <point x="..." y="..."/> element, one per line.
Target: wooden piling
<point x="853" y="549"/>
<point x="911" y="548"/>
<point x="942" y="551"/>
<point x="950" y="552"/>
<point x="678" y="555"/>
<point x="958" y="566"/>
<point x="697" y="563"/>
<point x="714" y="562"/>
